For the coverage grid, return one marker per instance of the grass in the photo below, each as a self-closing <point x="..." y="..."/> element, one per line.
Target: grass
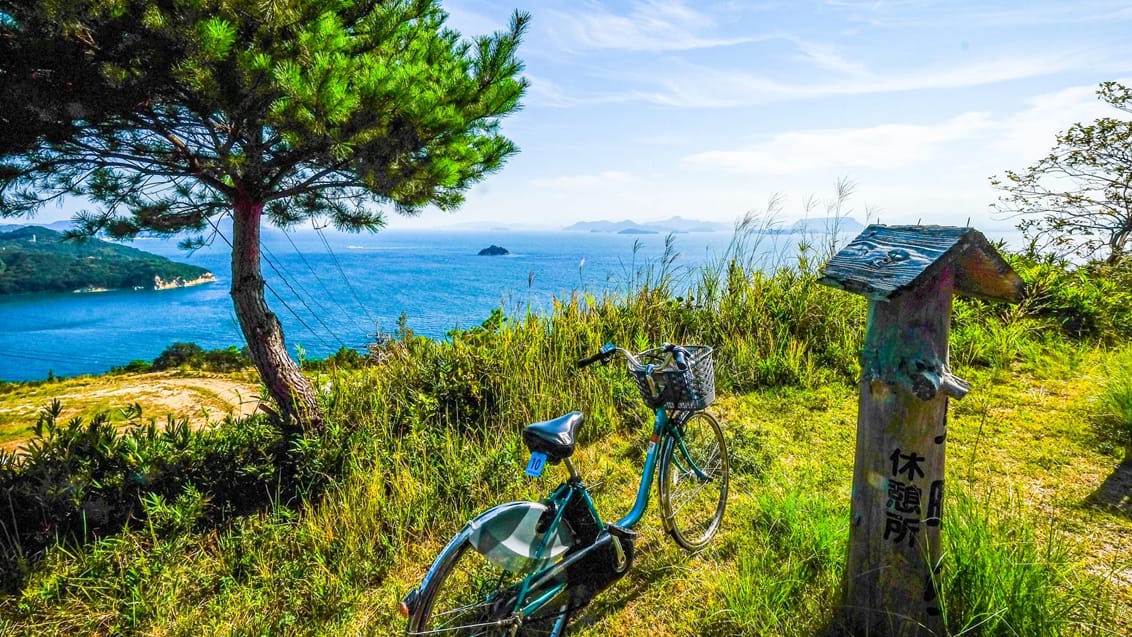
<point x="429" y="436"/>
<point x="1017" y="530"/>
<point x="199" y="396"/>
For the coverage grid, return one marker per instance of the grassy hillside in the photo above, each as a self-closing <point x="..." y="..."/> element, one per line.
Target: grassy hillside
<point x="36" y="259"/>
<point x="321" y="535"/>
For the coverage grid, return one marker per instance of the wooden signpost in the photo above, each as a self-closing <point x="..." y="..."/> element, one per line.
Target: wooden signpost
<point x="909" y="274"/>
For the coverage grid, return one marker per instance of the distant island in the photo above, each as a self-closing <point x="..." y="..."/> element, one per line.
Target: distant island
<point x="678" y="225"/>
<point x="493" y="250"/>
<point x="37" y="259"/>
<point x="672" y="225"/>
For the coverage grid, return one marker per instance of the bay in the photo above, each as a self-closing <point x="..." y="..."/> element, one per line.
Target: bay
<point x="334" y="290"/>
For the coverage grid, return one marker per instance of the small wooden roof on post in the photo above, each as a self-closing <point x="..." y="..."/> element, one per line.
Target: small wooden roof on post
<point x="884" y="261"/>
<point x="909" y="274"/>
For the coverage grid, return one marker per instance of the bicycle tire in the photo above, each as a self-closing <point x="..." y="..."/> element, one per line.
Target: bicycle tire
<point x="692" y="507"/>
<point x="468" y="594"/>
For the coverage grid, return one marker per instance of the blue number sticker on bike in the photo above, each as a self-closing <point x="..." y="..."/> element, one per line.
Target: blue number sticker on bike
<point x="535" y="466"/>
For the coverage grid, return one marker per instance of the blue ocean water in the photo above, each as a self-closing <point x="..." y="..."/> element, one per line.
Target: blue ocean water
<point x="333" y="293"/>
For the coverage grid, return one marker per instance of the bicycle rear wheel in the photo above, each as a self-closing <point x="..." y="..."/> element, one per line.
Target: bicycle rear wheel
<point x="471" y="597"/>
<point x="693" y="481"/>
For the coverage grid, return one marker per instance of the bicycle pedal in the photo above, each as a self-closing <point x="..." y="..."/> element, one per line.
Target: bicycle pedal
<point x="621" y="532"/>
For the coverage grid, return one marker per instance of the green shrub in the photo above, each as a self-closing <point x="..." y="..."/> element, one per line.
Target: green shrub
<point x="193" y="356"/>
<point x="1092" y="301"/>
<point x="177" y="355"/>
<point x="80" y="480"/>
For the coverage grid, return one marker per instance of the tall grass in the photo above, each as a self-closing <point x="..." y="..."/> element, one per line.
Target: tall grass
<point x="1114" y="408"/>
<point x="426" y="434"/>
<point x="1004" y="574"/>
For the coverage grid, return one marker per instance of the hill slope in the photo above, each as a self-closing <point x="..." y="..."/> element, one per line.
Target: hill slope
<point x="37" y="259"/>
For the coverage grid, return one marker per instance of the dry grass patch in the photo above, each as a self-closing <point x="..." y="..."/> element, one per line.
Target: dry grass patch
<point x="198" y="396"/>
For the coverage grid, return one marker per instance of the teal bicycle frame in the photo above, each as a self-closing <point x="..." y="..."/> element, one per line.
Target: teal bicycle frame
<point x="663" y="429"/>
<point x="588" y="554"/>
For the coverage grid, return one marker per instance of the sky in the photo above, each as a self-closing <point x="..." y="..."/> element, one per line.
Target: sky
<point x="645" y="109"/>
<point x="653" y="108"/>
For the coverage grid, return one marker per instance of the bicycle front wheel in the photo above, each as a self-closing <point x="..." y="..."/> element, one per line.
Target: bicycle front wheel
<point x="471" y="597"/>
<point x="693" y="481"/>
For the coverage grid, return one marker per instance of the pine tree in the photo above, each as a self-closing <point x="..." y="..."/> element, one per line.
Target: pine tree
<point x="169" y="115"/>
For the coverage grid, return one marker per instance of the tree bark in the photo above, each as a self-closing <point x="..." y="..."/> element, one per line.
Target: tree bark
<point x="292" y="391"/>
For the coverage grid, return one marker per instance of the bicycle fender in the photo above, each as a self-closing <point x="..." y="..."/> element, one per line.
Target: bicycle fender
<point x="508" y="536"/>
<point x="409" y="601"/>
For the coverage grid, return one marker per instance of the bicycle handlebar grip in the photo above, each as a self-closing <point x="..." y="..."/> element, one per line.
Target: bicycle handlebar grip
<point x="679" y="355"/>
<point x="590" y="360"/>
<point x="604" y="353"/>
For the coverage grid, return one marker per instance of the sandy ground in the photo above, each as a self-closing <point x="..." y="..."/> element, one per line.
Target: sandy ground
<point x="200" y="398"/>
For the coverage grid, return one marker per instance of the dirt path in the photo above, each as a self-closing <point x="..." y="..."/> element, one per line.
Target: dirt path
<point x="202" y="398"/>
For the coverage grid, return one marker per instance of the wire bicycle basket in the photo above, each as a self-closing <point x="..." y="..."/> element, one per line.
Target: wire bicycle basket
<point x="668" y="386"/>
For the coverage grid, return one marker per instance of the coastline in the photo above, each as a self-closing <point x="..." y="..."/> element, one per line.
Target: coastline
<point x="179" y="282"/>
<point x="158" y="284"/>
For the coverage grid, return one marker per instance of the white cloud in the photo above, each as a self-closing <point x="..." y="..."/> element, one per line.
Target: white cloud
<point x="825" y="56"/>
<point x="917" y="14"/>
<point x="653" y="25"/>
<point x="702" y="87"/>
<point x="1031" y="133"/>
<point x="879" y="147"/>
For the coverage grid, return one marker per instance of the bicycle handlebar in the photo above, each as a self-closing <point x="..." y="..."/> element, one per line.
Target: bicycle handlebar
<point x="603" y="355"/>
<point x="680" y="356"/>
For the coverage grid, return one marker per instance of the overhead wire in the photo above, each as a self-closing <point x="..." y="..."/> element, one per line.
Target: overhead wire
<point x="269" y="258"/>
<point x="276" y="294"/>
<point x="322" y="283"/>
<point x="345" y="278"/>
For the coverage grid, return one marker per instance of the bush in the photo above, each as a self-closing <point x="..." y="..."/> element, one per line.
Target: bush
<point x="1092" y="301"/>
<point x="192" y="356"/>
<point x="344" y="358"/>
<point x="79" y="480"/>
<point x="177" y="355"/>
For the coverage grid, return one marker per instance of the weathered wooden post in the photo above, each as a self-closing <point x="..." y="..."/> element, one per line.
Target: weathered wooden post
<point x="909" y="274"/>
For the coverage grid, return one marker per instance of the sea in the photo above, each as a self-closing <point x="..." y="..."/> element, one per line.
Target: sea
<point x="333" y="290"/>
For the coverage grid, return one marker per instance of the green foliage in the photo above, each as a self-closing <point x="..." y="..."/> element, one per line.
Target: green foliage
<point x="344" y="358"/>
<point x="193" y="356"/>
<point x="786" y="580"/>
<point x="81" y="480"/>
<point x="1005" y="576"/>
<point x="50" y="264"/>
<point x="1077" y="199"/>
<point x="1062" y="303"/>
<point x="156" y="112"/>
<point x="1114" y="403"/>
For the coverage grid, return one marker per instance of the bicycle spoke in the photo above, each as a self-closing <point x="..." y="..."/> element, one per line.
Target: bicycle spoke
<point x="683" y="499"/>
<point x="694" y="482"/>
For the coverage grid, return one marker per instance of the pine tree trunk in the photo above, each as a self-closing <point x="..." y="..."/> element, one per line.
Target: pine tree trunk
<point x="286" y="383"/>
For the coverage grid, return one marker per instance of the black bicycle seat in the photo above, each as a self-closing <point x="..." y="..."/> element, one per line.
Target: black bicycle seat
<point x="554" y="437"/>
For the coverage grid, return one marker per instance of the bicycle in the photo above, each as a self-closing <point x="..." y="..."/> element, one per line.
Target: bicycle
<point x="523" y="568"/>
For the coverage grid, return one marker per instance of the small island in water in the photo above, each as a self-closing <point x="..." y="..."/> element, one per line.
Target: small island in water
<point x="37" y="259"/>
<point x="493" y="251"/>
